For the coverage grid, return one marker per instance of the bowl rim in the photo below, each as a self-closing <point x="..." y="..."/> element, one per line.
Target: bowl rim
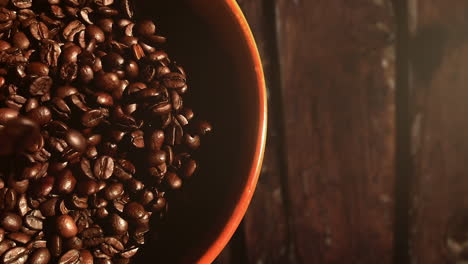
<point x="241" y="207"/>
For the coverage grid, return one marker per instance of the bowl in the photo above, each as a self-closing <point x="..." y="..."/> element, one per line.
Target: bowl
<point x="212" y="41"/>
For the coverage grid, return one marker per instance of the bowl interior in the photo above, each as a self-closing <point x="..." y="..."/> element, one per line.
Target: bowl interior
<point x="205" y="37"/>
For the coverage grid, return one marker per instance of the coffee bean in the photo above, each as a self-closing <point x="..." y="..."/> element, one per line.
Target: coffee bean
<point x="134" y="185"/>
<point x="145" y="197"/>
<point x="145" y="28"/>
<point x="5" y="245"/>
<point x="107" y="81"/>
<point x="86" y="74"/>
<point x="55" y="245"/>
<point x="10" y="222"/>
<point x="97" y="91"/>
<point x="73" y="243"/>
<point x="65" y="182"/>
<point x="112" y="61"/>
<point x="94" y="32"/>
<point x="134" y="210"/>
<point x="173" y="181"/>
<point x="16" y="255"/>
<point x="66" y="226"/>
<point x="79" y="202"/>
<point x="76" y="140"/>
<point x="106" y="24"/>
<point x="42" y="115"/>
<point x="111" y="246"/>
<point x="40" y="256"/>
<point x="40" y="86"/>
<point x="129" y="253"/>
<point x="72" y="29"/>
<point x="49" y="207"/>
<point x="87" y="187"/>
<point x="19" y="237"/>
<point x="159" y="204"/>
<point x="86" y="257"/>
<point x="157" y="158"/>
<point x="113" y="191"/>
<point x="104" y="167"/>
<point x="43" y="186"/>
<point x="117" y="224"/>
<point x="92" y="118"/>
<point x="72" y="256"/>
<point x="34" y="220"/>
<point x="7" y="114"/>
<point x="131" y="68"/>
<point x="39" y="30"/>
<point x="138" y="52"/>
<point x="104" y="99"/>
<point x="192" y="142"/>
<point x="20" y="40"/>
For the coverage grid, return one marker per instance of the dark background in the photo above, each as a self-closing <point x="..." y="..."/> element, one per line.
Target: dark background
<point x="367" y="147"/>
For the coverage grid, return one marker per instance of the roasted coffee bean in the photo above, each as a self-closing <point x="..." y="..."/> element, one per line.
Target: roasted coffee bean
<point x="5" y="245"/>
<point x="73" y="243"/>
<point x="113" y="191"/>
<point x="145" y="28"/>
<point x="11" y="222"/>
<point x="103" y="167"/>
<point x="34" y="220"/>
<point x="40" y="86"/>
<point x="134" y="185"/>
<point x="92" y="118"/>
<point x="72" y="256"/>
<point x="55" y="245"/>
<point x="65" y="182"/>
<point x="134" y="210"/>
<point x="111" y="246"/>
<point x="145" y="197"/>
<point x="72" y="29"/>
<point x="42" y="115"/>
<point x="8" y="199"/>
<point x="19" y="237"/>
<point x="159" y="204"/>
<point x="16" y="255"/>
<point x="97" y="91"/>
<point x="104" y="99"/>
<point x="173" y="181"/>
<point x="49" y="207"/>
<point x="66" y="226"/>
<point x="117" y="224"/>
<point x="79" y="202"/>
<point x="7" y="114"/>
<point x="39" y="30"/>
<point x="129" y="253"/>
<point x="94" y="32"/>
<point x="86" y="256"/>
<point x="20" y="40"/>
<point x="76" y="140"/>
<point x="192" y="142"/>
<point x="86" y="74"/>
<point x="138" y="52"/>
<point x="40" y="256"/>
<point x="107" y="81"/>
<point x="43" y="186"/>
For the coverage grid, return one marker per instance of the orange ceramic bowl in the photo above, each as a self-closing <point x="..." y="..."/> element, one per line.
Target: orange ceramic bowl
<point x="213" y="42"/>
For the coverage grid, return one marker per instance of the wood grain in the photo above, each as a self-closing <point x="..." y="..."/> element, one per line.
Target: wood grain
<point x="266" y="225"/>
<point x="265" y="228"/>
<point x="439" y="112"/>
<point x="338" y="91"/>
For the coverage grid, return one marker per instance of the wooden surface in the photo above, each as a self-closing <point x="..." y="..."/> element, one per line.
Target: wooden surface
<point x="366" y="151"/>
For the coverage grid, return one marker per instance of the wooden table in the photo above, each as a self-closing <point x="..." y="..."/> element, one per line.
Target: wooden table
<point x="367" y="155"/>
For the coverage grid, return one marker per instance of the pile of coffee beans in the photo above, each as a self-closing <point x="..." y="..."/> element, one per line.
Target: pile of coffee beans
<point x="93" y="131"/>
